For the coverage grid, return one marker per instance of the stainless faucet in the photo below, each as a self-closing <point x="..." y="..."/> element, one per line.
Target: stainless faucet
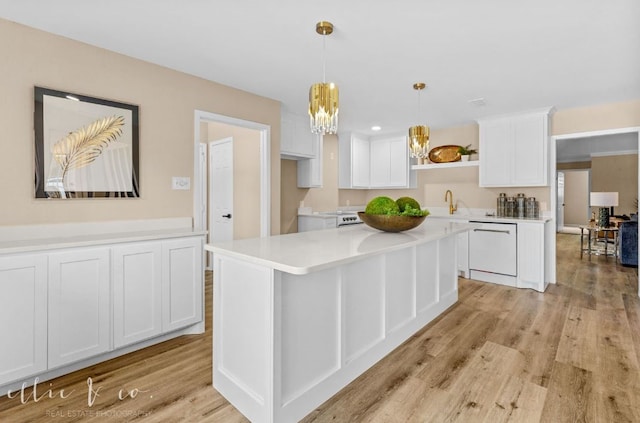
<point x="452" y="208"/>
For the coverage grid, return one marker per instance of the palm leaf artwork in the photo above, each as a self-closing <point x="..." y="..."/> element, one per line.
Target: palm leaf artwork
<point x="81" y="147"/>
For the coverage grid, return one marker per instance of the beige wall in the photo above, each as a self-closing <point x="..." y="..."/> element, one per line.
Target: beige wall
<point x="596" y="118"/>
<point x="576" y="197"/>
<point x="246" y="176"/>
<point x="167" y="101"/>
<point x="616" y="174"/>
<point x="433" y="183"/>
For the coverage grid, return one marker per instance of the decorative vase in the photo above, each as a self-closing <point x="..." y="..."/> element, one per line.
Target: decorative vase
<point x="465" y="158"/>
<point x="603" y="217"/>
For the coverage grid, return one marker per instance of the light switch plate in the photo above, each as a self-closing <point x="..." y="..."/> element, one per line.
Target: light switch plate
<point x="181" y="182"/>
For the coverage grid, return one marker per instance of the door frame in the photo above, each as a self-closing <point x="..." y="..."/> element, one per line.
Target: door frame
<point x="200" y="189"/>
<point x="553" y="196"/>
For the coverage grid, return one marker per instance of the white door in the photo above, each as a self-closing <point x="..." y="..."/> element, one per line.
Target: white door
<point x="221" y="190"/>
<point x="560" y="202"/>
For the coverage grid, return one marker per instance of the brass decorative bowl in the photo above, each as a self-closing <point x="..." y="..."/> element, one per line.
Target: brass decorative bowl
<point x="389" y="223"/>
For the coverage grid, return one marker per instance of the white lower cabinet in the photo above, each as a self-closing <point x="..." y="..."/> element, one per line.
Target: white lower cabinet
<point x="510" y="254"/>
<point x="23" y="313"/>
<point x="531" y="256"/>
<point x="137" y="292"/>
<point x="182" y="283"/>
<point x="79" y="305"/>
<point x="62" y="306"/>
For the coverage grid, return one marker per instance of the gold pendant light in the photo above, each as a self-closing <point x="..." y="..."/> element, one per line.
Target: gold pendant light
<point x="419" y="134"/>
<point x="323" y="96"/>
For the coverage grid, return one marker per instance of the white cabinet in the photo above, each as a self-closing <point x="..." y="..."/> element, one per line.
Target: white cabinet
<point x="23" y="313"/>
<point x="61" y="306"/>
<point x="353" y="161"/>
<point x="296" y="141"/>
<point x="79" y="305"/>
<point x="137" y="292"/>
<point x="531" y="256"/>
<point x="182" y="283"/>
<point x="381" y="162"/>
<point x="513" y="150"/>
<point x="390" y="165"/>
<point x="310" y="170"/>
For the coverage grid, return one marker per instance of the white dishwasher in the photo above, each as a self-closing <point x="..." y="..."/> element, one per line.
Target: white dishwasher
<point x="493" y="253"/>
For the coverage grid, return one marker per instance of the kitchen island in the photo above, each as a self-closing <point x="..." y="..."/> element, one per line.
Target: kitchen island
<point x="297" y="317"/>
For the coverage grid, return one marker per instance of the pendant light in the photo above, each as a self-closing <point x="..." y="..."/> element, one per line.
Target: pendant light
<point x="323" y="96"/>
<point x="419" y="134"/>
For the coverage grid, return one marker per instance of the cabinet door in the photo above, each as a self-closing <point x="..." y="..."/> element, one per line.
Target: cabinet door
<point x="531" y="256"/>
<point x="360" y="162"/>
<point x="380" y="163"/>
<point x="389" y="163"/>
<point x="182" y="283"/>
<point x="398" y="162"/>
<point x="23" y="313"/>
<point x="496" y="146"/>
<point x="137" y="292"/>
<point x="530" y="150"/>
<point x="79" y="305"/>
<point x="296" y="139"/>
<point x="310" y="170"/>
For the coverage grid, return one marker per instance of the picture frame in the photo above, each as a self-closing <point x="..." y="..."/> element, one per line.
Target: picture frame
<point x="85" y="147"/>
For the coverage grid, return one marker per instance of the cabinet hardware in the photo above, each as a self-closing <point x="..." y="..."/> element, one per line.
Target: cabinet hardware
<point x="492" y="230"/>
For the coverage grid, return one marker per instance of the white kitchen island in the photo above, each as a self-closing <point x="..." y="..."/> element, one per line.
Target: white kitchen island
<point x="297" y="317"/>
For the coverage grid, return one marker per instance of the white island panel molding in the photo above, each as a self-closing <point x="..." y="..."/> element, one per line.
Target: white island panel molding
<point x="297" y="317"/>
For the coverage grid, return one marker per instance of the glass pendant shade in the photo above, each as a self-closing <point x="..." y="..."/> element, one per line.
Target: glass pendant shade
<point x="323" y="108"/>
<point x="419" y="141"/>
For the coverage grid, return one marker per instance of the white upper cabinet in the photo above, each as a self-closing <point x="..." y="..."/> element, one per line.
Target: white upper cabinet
<point x="513" y="150"/>
<point x="390" y="163"/>
<point x="353" y="161"/>
<point x="296" y="141"/>
<point x="310" y="170"/>
<point x="381" y="162"/>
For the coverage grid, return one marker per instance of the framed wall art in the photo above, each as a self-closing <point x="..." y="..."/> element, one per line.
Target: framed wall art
<point x="85" y="147"/>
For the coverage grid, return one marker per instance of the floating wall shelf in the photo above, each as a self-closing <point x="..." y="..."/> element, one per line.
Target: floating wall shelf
<point x="445" y="165"/>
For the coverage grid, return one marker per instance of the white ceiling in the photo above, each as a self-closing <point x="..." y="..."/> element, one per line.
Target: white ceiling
<point x="516" y="55"/>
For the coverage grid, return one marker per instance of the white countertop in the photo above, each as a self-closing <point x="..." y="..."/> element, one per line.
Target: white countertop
<point x="484" y="218"/>
<point x="306" y="252"/>
<point x="50" y="243"/>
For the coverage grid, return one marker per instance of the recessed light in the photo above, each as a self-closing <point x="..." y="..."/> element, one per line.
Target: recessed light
<point x="376" y="128"/>
<point x="479" y="102"/>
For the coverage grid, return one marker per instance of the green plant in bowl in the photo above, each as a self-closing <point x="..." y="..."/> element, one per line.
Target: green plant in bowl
<point x="382" y="205"/>
<point x="393" y="216"/>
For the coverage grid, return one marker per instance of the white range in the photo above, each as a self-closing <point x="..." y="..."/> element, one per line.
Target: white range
<point x="309" y="221"/>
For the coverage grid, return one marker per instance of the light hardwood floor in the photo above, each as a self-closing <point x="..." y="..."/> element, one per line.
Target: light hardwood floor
<point x="500" y="354"/>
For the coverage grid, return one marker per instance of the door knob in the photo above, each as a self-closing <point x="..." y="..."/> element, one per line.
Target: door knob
<point x="228" y="215"/>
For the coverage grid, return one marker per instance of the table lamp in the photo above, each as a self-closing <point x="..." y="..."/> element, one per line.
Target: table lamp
<point x="604" y="200"/>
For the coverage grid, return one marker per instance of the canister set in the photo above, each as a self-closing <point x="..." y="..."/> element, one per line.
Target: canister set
<point x="519" y="206"/>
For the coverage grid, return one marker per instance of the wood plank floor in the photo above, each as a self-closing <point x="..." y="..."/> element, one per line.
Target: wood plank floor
<point x="500" y="354"/>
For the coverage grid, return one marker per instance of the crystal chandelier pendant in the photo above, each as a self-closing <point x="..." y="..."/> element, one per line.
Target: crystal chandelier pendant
<point x="323" y="96"/>
<point x="323" y="108"/>
<point x="419" y="135"/>
<point x="419" y="141"/>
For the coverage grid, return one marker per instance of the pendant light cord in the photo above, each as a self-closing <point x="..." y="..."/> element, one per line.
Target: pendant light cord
<point x="324" y="59"/>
